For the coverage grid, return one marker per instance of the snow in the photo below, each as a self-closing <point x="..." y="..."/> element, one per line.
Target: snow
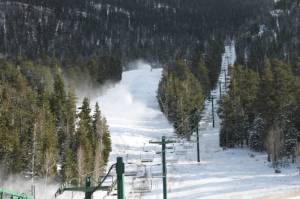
<point x="134" y="118"/>
<point x="232" y="173"/>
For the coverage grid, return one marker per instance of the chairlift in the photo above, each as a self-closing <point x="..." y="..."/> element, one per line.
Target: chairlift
<point x="156" y="171"/>
<point x="203" y="128"/>
<point x="142" y="185"/>
<point x="109" y="181"/>
<point x="131" y="170"/>
<point x="170" y="149"/>
<point x="147" y="160"/>
<point x="181" y="152"/>
<point x="147" y="148"/>
<point x="130" y="173"/>
<point x="147" y="157"/>
<point x="188" y="146"/>
<point x="172" y="160"/>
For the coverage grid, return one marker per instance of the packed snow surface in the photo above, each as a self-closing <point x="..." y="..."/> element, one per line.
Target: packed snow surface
<point x="133" y="114"/>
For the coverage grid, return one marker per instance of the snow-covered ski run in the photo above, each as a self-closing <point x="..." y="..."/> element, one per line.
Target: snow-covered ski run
<point x="133" y="115"/>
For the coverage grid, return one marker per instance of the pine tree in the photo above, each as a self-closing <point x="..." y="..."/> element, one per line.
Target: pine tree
<point x="84" y="140"/>
<point x="290" y="142"/>
<point x="106" y="140"/>
<point x="179" y="94"/>
<point x="98" y="133"/>
<point x="69" y="159"/>
<point x="50" y="141"/>
<point x="58" y="107"/>
<point x="266" y="94"/>
<point x="256" y="135"/>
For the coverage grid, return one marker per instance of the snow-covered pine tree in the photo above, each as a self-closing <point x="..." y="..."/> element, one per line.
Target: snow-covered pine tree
<point x="256" y="137"/>
<point x="290" y="142"/>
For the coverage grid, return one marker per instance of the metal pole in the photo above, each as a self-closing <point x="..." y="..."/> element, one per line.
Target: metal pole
<point x="88" y="193"/>
<point x="33" y="191"/>
<point x="163" y="144"/>
<point x="198" y="144"/>
<point x="120" y="177"/>
<point x="225" y="80"/>
<point x="212" y="110"/>
<point x="220" y="86"/>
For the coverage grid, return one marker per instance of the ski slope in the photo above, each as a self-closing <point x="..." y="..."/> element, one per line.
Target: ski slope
<point x="134" y="118"/>
<point x="233" y="173"/>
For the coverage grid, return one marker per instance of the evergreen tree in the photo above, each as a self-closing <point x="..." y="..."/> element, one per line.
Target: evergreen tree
<point x="266" y="94"/>
<point x="290" y="142"/>
<point x="58" y="107"/>
<point x="84" y="140"/>
<point x="106" y="140"/>
<point x="256" y="137"/>
<point x="98" y="133"/>
<point x="46" y="149"/>
<point x="179" y="94"/>
<point x="69" y="159"/>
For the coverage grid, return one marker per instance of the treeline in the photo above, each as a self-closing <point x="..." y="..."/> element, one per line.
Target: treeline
<point x="156" y="30"/>
<point x="41" y="132"/>
<point x="96" y="70"/>
<point x="185" y="85"/>
<point x="274" y="35"/>
<point x="180" y="94"/>
<point x="261" y="110"/>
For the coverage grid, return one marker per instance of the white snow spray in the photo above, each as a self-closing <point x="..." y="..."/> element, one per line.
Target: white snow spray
<point x="20" y="184"/>
<point x="133" y="116"/>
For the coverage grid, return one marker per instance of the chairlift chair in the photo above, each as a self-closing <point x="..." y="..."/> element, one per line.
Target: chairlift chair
<point x="146" y="158"/>
<point x="181" y="152"/>
<point x="142" y="185"/>
<point x="188" y="146"/>
<point x="130" y="170"/>
<point x="172" y="160"/>
<point x="156" y="171"/>
<point x="109" y="181"/>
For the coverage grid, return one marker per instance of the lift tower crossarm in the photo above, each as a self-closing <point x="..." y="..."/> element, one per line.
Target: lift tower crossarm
<point x="163" y="143"/>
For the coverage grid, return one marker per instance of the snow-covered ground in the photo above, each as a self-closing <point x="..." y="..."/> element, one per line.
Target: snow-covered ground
<point x="233" y="173"/>
<point x="134" y="118"/>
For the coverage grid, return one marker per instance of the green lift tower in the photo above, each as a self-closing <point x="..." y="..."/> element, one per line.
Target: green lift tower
<point x="88" y="189"/>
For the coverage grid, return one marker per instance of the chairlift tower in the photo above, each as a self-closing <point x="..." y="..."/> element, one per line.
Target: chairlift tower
<point x="163" y="143"/>
<point x="212" y="110"/>
<point x="88" y="189"/>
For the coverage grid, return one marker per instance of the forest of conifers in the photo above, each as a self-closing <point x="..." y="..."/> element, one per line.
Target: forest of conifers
<point x="40" y="126"/>
<point x="43" y="43"/>
<point x="261" y="110"/>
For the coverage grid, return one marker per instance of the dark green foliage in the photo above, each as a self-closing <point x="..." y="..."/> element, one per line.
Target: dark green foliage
<point x="101" y="136"/>
<point x="84" y="140"/>
<point x="106" y="143"/>
<point x="260" y="110"/>
<point x="94" y="70"/>
<point x="291" y="136"/>
<point x="58" y="107"/>
<point x="158" y="30"/>
<point x="274" y="34"/>
<point x="37" y="124"/>
<point x="105" y="67"/>
<point x="179" y="95"/>
<point x="256" y="135"/>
